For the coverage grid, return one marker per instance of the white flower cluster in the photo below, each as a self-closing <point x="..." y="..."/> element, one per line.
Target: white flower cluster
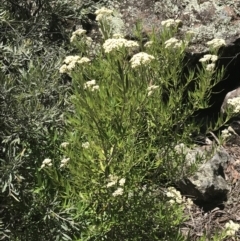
<point x="81" y="34"/>
<point x="91" y="84"/>
<point x="173" y="43"/>
<point x="231" y="228"/>
<point x="70" y="63"/>
<point x="176" y="197"/>
<point x="64" y="144"/>
<point x="188" y="202"/>
<point x="151" y="88"/>
<point x="225" y="134"/>
<point x="78" y="33"/>
<point x="113" y="180"/>
<point x="208" y="57"/>
<point x="64" y="162"/>
<point x="235" y="103"/>
<point x="103" y="12"/>
<point x="216" y="43"/>
<point x="171" y="23"/>
<point x="141" y="59"/>
<point x="83" y="60"/>
<point x="118" y="192"/>
<point x="148" y="44"/>
<point x="85" y="145"/>
<point x="117" y="43"/>
<point x="46" y="162"/>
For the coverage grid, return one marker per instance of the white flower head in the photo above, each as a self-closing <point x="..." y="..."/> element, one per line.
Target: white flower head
<point x="141" y="59"/>
<point x="112" y="180"/>
<point x="117" y="43"/>
<point x="225" y="134"/>
<point x="150" y="93"/>
<point x="122" y="181"/>
<point x="64" y="162"/>
<point x="174" y="194"/>
<point x="148" y="44"/>
<point x="71" y="66"/>
<point x="173" y="43"/>
<point x="231" y="228"/>
<point x="216" y="43"/>
<point x="209" y="57"/>
<point x="110" y="184"/>
<point x="85" y="145"/>
<point x="63" y="69"/>
<point x="95" y="87"/>
<point x="102" y="13"/>
<point x="46" y="162"/>
<point x="88" y="41"/>
<point x="235" y="104"/>
<point x="113" y="44"/>
<point x="64" y="144"/>
<point x="73" y="38"/>
<point x="83" y="60"/>
<point x="62" y="165"/>
<point x="188" y="203"/>
<point x="214" y="58"/>
<point x="151" y="88"/>
<point x="79" y="32"/>
<point x="70" y="63"/>
<point x="89" y="83"/>
<point x="171" y="201"/>
<point x="131" y="44"/>
<point x="118" y="192"/>
<point x="210" y="67"/>
<point x="71" y="58"/>
<point x="171" y="23"/>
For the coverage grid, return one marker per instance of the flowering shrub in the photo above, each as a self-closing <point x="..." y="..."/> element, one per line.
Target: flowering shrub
<point x="122" y="135"/>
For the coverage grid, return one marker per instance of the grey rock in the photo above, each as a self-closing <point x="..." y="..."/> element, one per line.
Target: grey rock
<point x="208" y="183"/>
<point x="192" y="156"/>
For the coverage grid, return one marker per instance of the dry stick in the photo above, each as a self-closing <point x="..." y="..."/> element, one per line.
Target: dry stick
<point x="214" y="136"/>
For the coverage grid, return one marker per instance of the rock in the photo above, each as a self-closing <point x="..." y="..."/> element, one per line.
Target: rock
<point x="208" y="184"/>
<point x="191" y="156"/>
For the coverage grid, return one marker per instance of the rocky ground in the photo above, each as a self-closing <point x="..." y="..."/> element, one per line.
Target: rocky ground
<point x="209" y="221"/>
